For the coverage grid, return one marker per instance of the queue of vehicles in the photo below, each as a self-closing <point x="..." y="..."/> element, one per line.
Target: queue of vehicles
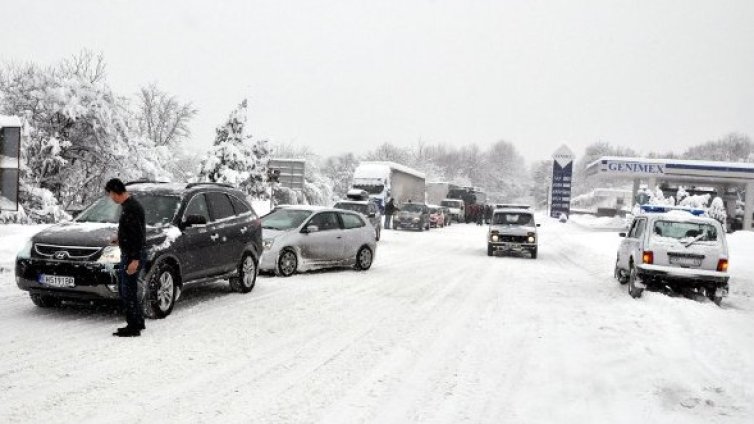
<point x="207" y="231"/>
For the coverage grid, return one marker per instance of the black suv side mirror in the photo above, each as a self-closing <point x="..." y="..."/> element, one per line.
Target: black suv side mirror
<point x="194" y="220"/>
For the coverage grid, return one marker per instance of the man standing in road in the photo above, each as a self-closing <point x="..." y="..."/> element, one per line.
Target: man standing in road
<point x="131" y="239"/>
<point x="390" y="210"/>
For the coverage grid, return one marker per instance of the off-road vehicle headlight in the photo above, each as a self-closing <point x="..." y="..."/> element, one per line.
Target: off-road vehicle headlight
<point x="531" y="239"/>
<point x="495" y="237"/>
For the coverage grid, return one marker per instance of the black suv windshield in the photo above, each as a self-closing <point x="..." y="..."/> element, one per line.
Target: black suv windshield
<point x="353" y="207"/>
<point x="284" y="219"/>
<point x="512" y="219"/>
<point x="159" y="209"/>
<point x="413" y="208"/>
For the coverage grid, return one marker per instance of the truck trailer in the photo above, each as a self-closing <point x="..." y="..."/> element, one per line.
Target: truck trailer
<point x="385" y="180"/>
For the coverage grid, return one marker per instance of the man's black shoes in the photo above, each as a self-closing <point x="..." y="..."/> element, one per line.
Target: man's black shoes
<point x="128" y="332"/>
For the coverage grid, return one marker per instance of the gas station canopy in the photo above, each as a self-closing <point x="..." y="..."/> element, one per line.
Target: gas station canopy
<point x="722" y="175"/>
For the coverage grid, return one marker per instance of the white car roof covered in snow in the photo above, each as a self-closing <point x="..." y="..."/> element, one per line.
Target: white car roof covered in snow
<point x="374" y="170"/>
<point x="311" y="208"/>
<point x="680" y="216"/>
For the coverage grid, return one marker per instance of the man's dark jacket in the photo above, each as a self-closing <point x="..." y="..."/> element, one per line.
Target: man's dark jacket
<point x="132" y="230"/>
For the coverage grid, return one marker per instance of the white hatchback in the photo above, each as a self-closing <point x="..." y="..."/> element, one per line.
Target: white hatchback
<point x="676" y="249"/>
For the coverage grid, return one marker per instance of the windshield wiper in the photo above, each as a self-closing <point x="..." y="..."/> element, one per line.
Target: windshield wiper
<point x="694" y="240"/>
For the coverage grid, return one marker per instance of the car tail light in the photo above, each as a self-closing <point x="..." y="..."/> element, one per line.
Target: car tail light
<point x="648" y="258"/>
<point x="722" y="265"/>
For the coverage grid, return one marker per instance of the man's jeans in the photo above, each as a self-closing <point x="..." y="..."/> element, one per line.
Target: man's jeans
<point x="128" y="289"/>
<point x="388" y="221"/>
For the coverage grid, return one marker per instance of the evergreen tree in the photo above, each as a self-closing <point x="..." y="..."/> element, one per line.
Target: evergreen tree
<point x="234" y="158"/>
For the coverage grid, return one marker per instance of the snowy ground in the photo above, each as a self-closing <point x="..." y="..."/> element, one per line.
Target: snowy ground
<point x="435" y="332"/>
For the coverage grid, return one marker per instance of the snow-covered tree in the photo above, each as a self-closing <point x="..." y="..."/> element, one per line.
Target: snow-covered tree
<point x="77" y="133"/>
<point x="234" y="158"/>
<point x="717" y="211"/>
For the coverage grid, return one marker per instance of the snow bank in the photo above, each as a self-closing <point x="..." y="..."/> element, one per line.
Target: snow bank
<point x="602" y="223"/>
<point x="13" y="237"/>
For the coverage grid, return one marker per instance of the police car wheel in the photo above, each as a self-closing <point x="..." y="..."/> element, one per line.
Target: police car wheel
<point x="634" y="291"/>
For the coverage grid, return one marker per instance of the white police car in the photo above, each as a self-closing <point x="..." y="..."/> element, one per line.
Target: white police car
<point x="674" y="248"/>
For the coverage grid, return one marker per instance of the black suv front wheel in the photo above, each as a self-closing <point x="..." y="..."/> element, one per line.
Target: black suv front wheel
<point x="162" y="286"/>
<point x="247" y="275"/>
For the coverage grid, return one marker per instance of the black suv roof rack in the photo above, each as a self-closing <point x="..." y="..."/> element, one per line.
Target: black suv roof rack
<point x="145" y="182"/>
<point x="191" y="185"/>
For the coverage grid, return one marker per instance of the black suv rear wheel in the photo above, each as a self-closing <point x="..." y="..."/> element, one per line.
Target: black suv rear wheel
<point x="247" y="275"/>
<point x="161" y="289"/>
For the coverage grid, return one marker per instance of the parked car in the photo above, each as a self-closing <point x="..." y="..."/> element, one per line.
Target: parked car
<point x="456" y="207"/>
<point x="436" y="217"/>
<point x="368" y="208"/>
<point x="302" y="238"/>
<point x="513" y="230"/>
<point x="412" y="216"/>
<point x="667" y="247"/>
<point x="195" y="232"/>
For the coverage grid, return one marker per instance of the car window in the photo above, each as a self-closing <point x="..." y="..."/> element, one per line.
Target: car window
<point x="632" y="231"/>
<point x="284" y="219"/>
<point x="640" y="225"/>
<point x="197" y="206"/>
<point x="685" y="231"/>
<point x="219" y="205"/>
<point x="351" y="221"/>
<point x="240" y="207"/>
<point x="326" y="221"/>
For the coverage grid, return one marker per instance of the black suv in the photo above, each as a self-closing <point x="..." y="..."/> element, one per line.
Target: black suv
<point x="195" y="232"/>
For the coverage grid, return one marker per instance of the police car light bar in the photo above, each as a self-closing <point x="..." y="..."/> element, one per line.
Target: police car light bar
<point x="665" y="209"/>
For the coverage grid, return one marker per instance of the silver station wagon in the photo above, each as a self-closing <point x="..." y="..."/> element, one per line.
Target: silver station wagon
<point x="304" y="238"/>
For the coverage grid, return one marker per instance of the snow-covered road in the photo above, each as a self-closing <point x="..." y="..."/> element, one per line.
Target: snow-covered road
<point x="435" y="332"/>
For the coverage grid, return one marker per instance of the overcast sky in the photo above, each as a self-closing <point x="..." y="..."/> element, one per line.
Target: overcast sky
<point x="346" y="75"/>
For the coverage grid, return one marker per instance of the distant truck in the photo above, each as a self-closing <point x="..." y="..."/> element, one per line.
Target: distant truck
<point x="456" y="209"/>
<point x="385" y="180"/>
<point x="438" y="191"/>
<point x="470" y="196"/>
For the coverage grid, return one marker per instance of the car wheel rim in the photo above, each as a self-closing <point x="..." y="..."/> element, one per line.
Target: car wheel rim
<point x="288" y="263"/>
<point x="365" y="259"/>
<point x="165" y="292"/>
<point x="248" y="271"/>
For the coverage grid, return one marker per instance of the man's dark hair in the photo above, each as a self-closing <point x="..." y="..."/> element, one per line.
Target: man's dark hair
<point x="115" y="186"/>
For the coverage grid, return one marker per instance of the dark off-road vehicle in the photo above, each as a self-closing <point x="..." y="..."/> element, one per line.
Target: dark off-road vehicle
<point x="195" y="232"/>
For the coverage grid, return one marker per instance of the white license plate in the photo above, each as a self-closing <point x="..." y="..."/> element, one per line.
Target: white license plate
<point x="682" y="261"/>
<point x="57" y="281"/>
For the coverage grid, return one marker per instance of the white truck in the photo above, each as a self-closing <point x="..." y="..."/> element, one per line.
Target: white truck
<point x="383" y="180"/>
